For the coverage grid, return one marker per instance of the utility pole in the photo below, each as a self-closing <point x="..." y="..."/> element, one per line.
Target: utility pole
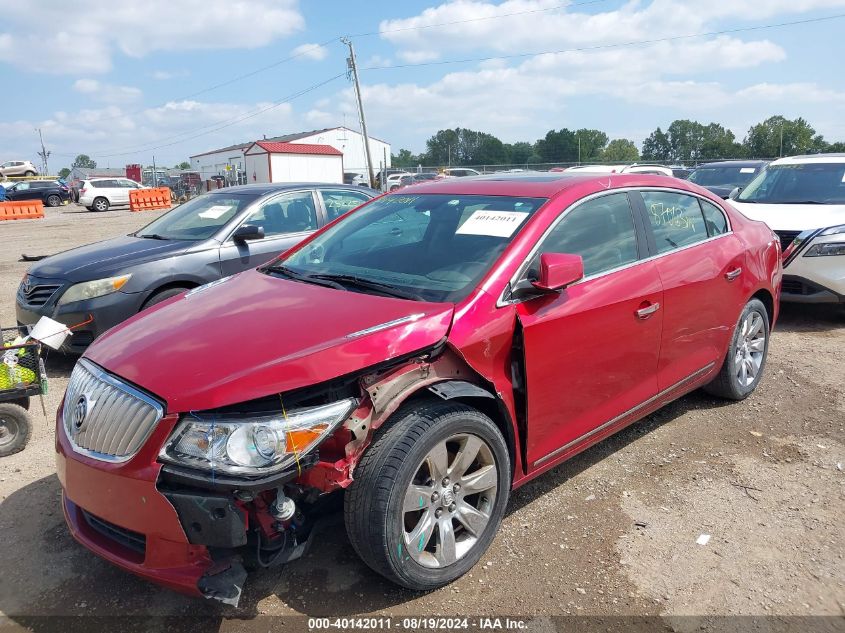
<point x="43" y="153"/>
<point x="352" y="67"/>
<point x="155" y="174"/>
<point x="780" y="153"/>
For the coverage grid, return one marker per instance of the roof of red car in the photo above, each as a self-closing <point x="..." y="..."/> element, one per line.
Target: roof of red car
<point x="544" y="184"/>
<point x="275" y="147"/>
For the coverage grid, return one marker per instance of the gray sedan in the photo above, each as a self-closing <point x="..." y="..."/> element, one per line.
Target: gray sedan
<point x="213" y="236"/>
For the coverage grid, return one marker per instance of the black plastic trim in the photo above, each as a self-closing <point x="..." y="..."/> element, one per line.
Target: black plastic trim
<point x="209" y="519"/>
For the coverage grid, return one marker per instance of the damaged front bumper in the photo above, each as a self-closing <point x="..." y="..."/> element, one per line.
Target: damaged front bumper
<point x="189" y="540"/>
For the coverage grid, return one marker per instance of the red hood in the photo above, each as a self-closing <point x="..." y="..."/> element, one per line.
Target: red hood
<point x="253" y="335"/>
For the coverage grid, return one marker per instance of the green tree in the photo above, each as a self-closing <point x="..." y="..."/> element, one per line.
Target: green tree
<point x="718" y="142"/>
<point x="779" y="136"/>
<point x="620" y="150"/>
<point x="404" y="159"/>
<point x="442" y="148"/>
<point x="519" y="153"/>
<point x="183" y="165"/>
<point x="592" y="144"/>
<point x="558" y="147"/>
<point x="838" y="147"/>
<point x="83" y="160"/>
<point x="64" y="172"/>
<point x="656" y="147"/>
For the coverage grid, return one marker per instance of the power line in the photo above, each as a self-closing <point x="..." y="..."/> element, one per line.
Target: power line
<point x="228" y="82"/>
<point x="217" y="127"/>
<point x="609" y="46"/>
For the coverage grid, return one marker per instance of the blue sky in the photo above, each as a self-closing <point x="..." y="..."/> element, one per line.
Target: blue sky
<point x="125" y="83"/>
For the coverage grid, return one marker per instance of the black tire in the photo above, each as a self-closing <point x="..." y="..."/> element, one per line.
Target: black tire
<point x="53" y="201"/>
<point x="100" y="204"/>
<point x="727" y="383"/>
<point x="15" y="428"/>
<point x="161" y="295"/>
<point x="29" y="173"/>
<point x="373" y="505"/>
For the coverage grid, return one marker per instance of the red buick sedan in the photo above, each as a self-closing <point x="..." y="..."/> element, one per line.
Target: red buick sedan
<point x="426" y="353"/>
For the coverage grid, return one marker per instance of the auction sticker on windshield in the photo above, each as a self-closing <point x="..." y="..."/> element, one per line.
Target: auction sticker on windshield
<point x="492" y="223"/>
<point x="215" y="212"/>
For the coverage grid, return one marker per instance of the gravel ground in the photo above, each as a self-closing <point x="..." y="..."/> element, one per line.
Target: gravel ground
<point x="612" y="532"/>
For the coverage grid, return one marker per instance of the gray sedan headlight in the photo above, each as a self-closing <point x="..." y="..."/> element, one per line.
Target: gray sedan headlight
<point x="252" y="445"/>
<point x="93" y="289"/>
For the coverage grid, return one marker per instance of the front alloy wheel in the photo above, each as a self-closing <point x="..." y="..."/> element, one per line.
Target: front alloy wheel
<point x="429" y="494"/>
<point x="449" y="501"/>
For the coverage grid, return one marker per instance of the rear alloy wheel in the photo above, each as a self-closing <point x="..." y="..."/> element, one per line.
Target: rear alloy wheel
<point x="29" y="173"/>
<point x="746" y="357"/>
<point x="429" y="494"/>
<point x="100" y="204"/>
<point x="15" y="426"/>
<point x="53" y="201"/>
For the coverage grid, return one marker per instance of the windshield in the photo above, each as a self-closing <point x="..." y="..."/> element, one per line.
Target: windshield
<point x="723" y="176"/>
<point x="198" y="219"/>
<point x="434" y="247"/>
<point x="820" y="183"/>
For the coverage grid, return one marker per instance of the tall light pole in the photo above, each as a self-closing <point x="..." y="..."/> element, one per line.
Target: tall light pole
<point x="353" y="70"/>
<point x="43" y="153"/>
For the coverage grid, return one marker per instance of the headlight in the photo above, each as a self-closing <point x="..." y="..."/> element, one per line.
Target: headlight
<point x="92" y="289"/>
<point x="252" y="445"/>
<point x="823" y="250"/>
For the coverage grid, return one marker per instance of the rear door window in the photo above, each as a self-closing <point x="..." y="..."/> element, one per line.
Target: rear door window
<point x="714" y="218"/>
<point x="675" y="218"/>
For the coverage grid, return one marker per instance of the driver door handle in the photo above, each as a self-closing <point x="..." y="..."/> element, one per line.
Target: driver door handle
<point x="644" y="313"/>
<point x="733" y="274"/>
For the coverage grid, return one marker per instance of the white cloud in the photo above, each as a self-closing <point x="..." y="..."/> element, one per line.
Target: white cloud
<point x="166" y="75"/>
<point x="516" y="26"/>
<point x="315" y="52"/>
<point x="46" y="36"/>
<point x="105" y="92"/>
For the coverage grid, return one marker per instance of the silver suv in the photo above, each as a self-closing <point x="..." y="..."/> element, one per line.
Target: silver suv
<point x="18" y="168"/>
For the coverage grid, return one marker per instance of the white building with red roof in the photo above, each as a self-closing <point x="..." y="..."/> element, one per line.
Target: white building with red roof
<point x="230" y="162"/>
<point x="275" y="161"/>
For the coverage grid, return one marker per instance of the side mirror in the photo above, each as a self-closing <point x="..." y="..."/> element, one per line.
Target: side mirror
<point x="558" y="270"/>
<point x="248" y="232"/>
<point x="734" y="193"/>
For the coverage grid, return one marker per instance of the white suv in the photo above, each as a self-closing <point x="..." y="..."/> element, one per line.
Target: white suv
<point x="98" y="194"/>
<point x="18" y="168"/>
<point x="802" y="199"/>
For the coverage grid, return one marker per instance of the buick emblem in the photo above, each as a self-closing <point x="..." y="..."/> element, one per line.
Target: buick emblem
<point x="25" y="285"/>
<point x="80" y="410"/>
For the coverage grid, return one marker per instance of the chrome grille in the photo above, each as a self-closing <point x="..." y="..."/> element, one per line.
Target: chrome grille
<point x="104" y="417"/>
<point x="38" y="295"/>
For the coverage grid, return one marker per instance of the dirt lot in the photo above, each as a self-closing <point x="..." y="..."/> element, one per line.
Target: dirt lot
<point x="611" y="532"/>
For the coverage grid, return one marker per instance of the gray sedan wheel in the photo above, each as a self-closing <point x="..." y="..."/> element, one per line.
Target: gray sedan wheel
<point x="100" y="204"/>
<point x="53" y="201"/>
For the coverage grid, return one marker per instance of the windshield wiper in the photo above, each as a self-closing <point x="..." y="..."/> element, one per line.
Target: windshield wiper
<point x="150" y="236"/>
<point x="296" y="276"/>
<point x="369" y="284"/>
